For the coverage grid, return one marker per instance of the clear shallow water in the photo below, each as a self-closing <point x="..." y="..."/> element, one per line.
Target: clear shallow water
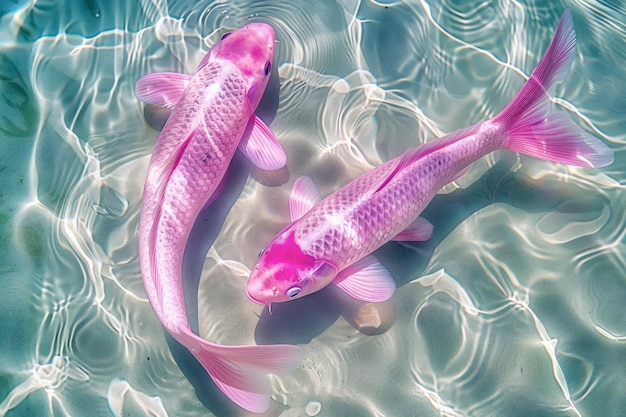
<point x="514" y="308"/>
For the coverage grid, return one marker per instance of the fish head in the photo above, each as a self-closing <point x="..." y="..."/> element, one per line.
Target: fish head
<point x="284" y="272"/>
<point x="251" y="49"/>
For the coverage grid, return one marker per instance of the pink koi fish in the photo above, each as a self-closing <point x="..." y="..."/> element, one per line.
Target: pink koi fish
<point x="332" y="240"/>
<point x="212" y="116"/>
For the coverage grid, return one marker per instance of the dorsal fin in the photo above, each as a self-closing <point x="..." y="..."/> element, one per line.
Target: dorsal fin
<point x="413" y="154"/>
<point x="166" y="172"/>
<point x="304" y="196"/>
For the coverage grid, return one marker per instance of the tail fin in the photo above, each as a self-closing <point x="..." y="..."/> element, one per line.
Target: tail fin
<point x="534" y="130"/>
<point x="240" y="371"/>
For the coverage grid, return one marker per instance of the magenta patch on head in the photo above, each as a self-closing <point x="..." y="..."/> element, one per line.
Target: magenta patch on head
<point x="257" y="53"/>
<point x="281" y="267"/>
<point x="288" y="251"/>
<point x="250" y="49"/>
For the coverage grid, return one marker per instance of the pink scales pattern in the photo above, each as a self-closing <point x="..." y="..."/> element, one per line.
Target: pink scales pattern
<point x="354" y="221"/>
<point x="201" y="157"/>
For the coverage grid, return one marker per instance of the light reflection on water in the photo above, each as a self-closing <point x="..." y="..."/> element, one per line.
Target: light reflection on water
<point x="514" y="307"/>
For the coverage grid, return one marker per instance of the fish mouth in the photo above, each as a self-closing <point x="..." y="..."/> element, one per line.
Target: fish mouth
<point x="251" y="297"/>
<point x="267" y="303"/>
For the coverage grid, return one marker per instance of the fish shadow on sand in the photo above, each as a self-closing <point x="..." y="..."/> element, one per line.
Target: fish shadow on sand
<point x="301" y="320"/>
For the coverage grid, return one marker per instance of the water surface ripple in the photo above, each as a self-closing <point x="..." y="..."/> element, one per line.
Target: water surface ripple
<point x="513" y="308"/>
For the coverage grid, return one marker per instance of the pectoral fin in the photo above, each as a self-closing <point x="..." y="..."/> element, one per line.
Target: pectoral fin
<point x="418" y="231"/>
<point x="261" y="147"/>
<point x="366" y="280"/>
<point x="162" y="89"/>
<point x="304" y="195"/>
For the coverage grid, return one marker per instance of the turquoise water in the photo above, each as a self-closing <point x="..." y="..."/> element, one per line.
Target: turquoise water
<point x="515" y="307"/>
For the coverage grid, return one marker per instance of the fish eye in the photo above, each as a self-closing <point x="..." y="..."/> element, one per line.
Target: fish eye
<point x="268" y="67"/>
<point x="293" y="291"/>
<point x="226" y="35"/>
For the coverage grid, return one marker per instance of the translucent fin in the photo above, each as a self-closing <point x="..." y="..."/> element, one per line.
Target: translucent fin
<point x="532" y="129"/>
<point x="240" y="371"/>
<point x="304" y="195"/>
<point x="414" y="154"/>
<point x="160" y="180"/>
<point x="418" y="231"/>
<point x="261" y="147"/>
<point x="398" y="164"/>
<point x="162" y="89"/>
<point x="366" y="280"/>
